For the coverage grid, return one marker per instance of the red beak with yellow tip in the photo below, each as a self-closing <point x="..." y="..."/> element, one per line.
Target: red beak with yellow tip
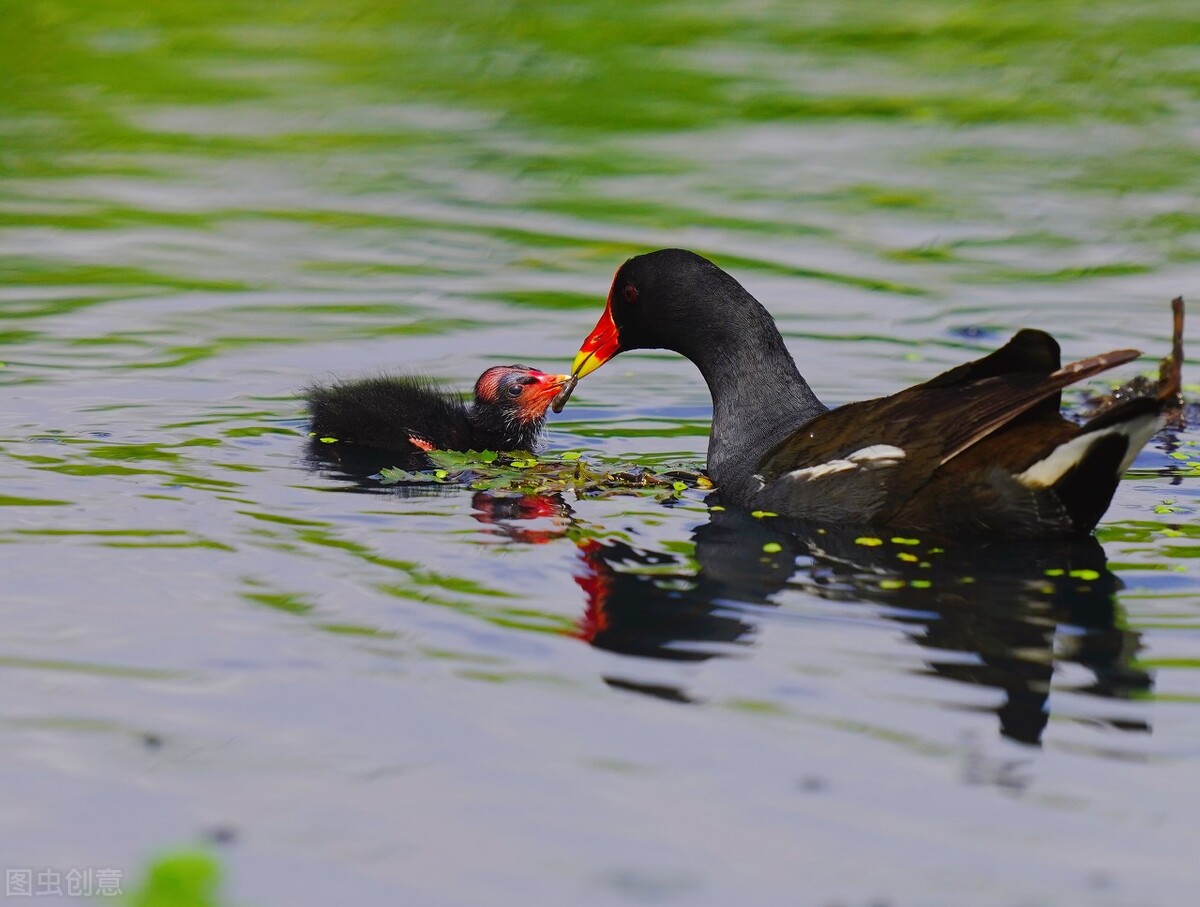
<point x="601" y="344"/>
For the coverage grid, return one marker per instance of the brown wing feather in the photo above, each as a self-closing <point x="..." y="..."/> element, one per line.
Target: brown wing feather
<point x="997" y="411"/>
<point x="932" y="422"/>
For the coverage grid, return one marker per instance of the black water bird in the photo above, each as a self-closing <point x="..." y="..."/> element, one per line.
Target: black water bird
<point x="981" y="450"/>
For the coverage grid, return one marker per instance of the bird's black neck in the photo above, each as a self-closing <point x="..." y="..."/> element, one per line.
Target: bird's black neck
<point x="759" y="396"/>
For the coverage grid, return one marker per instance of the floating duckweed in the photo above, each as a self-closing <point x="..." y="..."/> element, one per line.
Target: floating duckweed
<point x="704" y="482"/>
<point x="679" y="486"/>
<point x="1055" y="571"/>
<point x="1172" y="533"/>
<point x="869" y="541"/>
<point x="716" y="507"/>
<point x="891" y="584"/>
<point x="772" y="547"/>
<point x="571" y="455"/>
<point x="1166" y="508"/>
<point x="1085" y="574"/>
<point x="937" y="550"/>
<point x="897" y="540"/>
<point x="925" y="565"/>
<point x="905" y="556"/>
<point x="1179" y="455"/>
<point x="762" y="513"/>
<point x="520" y="471"/>
<point x="328" y="440"/>
<point x="312" y="434"/>
<point x="920" y="583"/>
<point x="966" y="580"/>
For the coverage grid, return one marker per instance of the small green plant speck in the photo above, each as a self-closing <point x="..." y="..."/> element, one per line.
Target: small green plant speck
<point x="185" y="878"/>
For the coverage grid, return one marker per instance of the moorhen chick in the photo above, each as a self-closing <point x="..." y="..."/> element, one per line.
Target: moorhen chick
<point x="979" y="450"/>
<point x="407" y="414"/>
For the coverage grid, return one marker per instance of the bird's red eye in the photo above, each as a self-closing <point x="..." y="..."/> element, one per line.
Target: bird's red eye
<point x="631" y="293"/>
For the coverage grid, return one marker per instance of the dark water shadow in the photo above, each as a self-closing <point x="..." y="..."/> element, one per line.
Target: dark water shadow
<point x="359" y="467"/>
<point x="1015" y="610"/>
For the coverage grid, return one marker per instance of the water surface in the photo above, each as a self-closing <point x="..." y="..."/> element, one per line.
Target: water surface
<point x="457" y="697"/>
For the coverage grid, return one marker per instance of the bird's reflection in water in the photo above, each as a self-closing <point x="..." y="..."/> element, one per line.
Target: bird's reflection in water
<point x="359" y="467"/>
<point x="505" y="515"/>
<point x="999" y="616"/>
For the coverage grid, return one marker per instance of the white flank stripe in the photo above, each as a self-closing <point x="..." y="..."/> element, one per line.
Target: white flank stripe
<point x="876" y="456"/>
<point x="1045" y="472"/>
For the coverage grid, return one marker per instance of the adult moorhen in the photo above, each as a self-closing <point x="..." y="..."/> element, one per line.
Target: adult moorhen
<point x="979" y="450"/>
<point x="407" y="414"/>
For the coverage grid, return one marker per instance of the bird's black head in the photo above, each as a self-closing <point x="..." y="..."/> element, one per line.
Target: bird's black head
<point x="670" y="299"/>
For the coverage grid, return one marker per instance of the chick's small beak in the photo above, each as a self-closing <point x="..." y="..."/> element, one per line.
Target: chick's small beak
<point x="549" y="384"/>
<point x="541" y="394"/>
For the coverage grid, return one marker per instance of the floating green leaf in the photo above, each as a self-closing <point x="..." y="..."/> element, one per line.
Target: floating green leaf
<point x="523" y="473"/>
<point x="186" y="878"/>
